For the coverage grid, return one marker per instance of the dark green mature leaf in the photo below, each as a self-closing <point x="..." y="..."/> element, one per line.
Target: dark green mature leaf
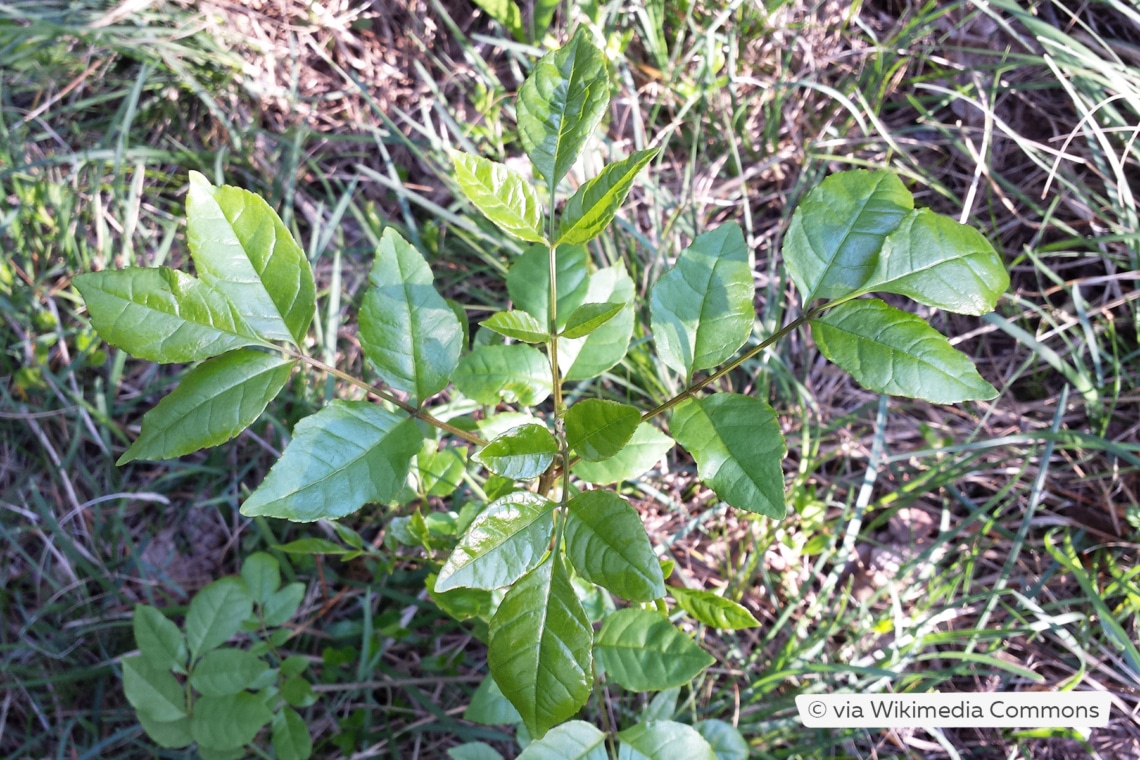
<point x="642" y="651"/>
<point x="518" y="325"/>
<point x="262" y="576"/>
<point x="607" y="544"/>
<point x="226" y="671"/>
<point x="345" y="455"/>
<point x="573" y="740"/>
<point x="162" y="315"/>
<point x="216" y="613"/>
<point x="645" y="448"/>
<point x="407" y="330"/>
<point x="291" y="738"/>
<point x="172" y="734"/>
<point x="589" y="317"/>
<point x="738" y="446"/>
<point x="528" y="281"/>
<point x="159" y="639"/>
<point x="890" y="351"/>
<point x="489" y="707"/>
<point x="586" y="358"/>
<point x="502" y="544"/>
<point x="712" y="610"/>
<point x="228" y="722"/>
<point x="560" y="104"/>
<point x="539" y="650"/>
<point x="520" y="453"/>
<point x="594" y="205"/>
<point x="701" y="309"/>
<point x="441" y="470"/>
<point x="314" y="545"/>
<point x="939" y="262"/>
<point x="597" y="429"/>
<point x="515" y="374"/>
<point x="214" y="402"/>
<point x="663" y="740"/>
<point x="298" y="692"/>
<point x="502" y="194"/>
<point x="462" y="603"/>
<point x="726" y="741"/>
<point x="283" y="604"/>
<point x="241" y="247"/>
<point x="833" y="243"/>
<point x="153" y="691"/>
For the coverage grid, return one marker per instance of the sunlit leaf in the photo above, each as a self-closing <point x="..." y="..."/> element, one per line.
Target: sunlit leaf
<point x="712" y="610"/>
<point x="598" y="429"/>
<point x="596" y="202"/>
<point x="589" y="317"/>
<point x="643" y="651"/>
<point x="518" y="325"/>
<point x="516" y="374"/>
<point x="528" y="282"/>
<point x="607" y="545"/>
<point x="573" y="740"/>
<point x="644" y="449"/>
<point x="520" y="453"/>
<point x="502" y="194"/>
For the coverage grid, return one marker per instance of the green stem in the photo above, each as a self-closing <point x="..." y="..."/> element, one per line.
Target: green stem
<point x="552" y="346"/>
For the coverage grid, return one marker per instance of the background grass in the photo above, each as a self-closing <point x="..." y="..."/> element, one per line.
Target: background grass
<point x="992" y="546"/>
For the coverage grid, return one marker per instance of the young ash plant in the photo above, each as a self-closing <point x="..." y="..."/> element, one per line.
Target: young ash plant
<point x="547" y="539"/>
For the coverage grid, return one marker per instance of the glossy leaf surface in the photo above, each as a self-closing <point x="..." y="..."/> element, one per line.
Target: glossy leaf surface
<point x="521" y="453"/>
<point x="589" y="317"/>
<point x="594" y="205"/>
<point x="515" y="374"/>
<point x="642" y="651"/>
<point x="502" y="194"/>
<point x="607" y="544"/>
<point x="726" y="741"/>
<point x="712" y="610"/>
<point x="598" y="429"/>
<point x="573" y="740"/>
<point x="518" y="325"/>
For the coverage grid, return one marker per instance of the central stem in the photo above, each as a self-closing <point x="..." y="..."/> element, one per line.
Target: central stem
<point x="556" y="376"/>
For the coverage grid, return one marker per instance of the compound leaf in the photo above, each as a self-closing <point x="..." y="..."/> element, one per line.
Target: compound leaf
<point x="663" y="740"/>
<point x="643" y="651"/>
<point x="515" y="374"/>
<point x="712" y="610"/>
<point x="518" y="325"/>
<point x="229" y="722"/>
<point x="291" y="737"/>
<point x="345" y="455"/>
<point x="528" y="282"/>
<point x="520" y="453"/>
<point x="594" y="205"/>
<point x="607" y="544"/>
<point x="226" y="671"/>
<point x="597" y="429"/>
<point x="589" y="317"/>
<point x="502" y="194"/>
<point x="159" y="639"/>
<point x="573" y="740"/>
<point x="643" y="450"/>
<point x="216" y="613"/>
<point x="153" y="691"/>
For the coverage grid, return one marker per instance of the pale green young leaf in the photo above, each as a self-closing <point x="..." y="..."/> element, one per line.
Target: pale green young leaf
<point x="594" y="205"/>
<point x="169" y="734"/>
<point x="573" y="740"/>
<point x="216" y="613"/>
<point x="291" y="738"/>
<point x="344" y="456"/>
<point x="738" y="446"/>
<point x="890" y="351"/>
<point x="643" y="651"/>
<point x="162" y="315"/>
<point x="560" y="104"/>
<point x="214" y="402"/>
<point x="607" y="544"/>
<point x="226" y="671"/>
<point x="939" y="262"/>
<point x="589" y="317"/>
<point x="504" y="542"/>
<point x="597" y="429"/>
<point x="489" y="707"/>
<point x="159" y="640"/>
<point x="645" y="448"/>
<point x="241" y="247"/>
<point x="539" y="650"/>
<point x="726" y="741"/>
<point x="507" y="13"/>
<point x="262" y="575"/>
<point x="153" y="691"/>
<point x="586" y="358"/>
<point x="474" y="751"/>
<point x="518" y="325"/>
<point x="663" y="740"/>
<point x="712" y="610"/>
<point x="833" y="242"/>
<point x="701" y="309"/>
<point x="283" y="604"/>
<point x="502" y="194"/>
<point x="520" y="453"/>
<point x="229" y="722"/>
<point x="528" y="281"/>
<point x="408" y="332"/>
<point x="515" y="374"/>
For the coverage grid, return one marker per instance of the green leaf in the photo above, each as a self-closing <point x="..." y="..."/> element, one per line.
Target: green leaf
<point x="262" y="575"/>
<point x="597" y="429"/>
<point x="518" y="325"/>
<point x="727" y="743"/>
<point x="441" y="471"/>
<point x="507" y="13"/>
<point x="228" y="722"/>
<point x="833" y="242"/>
<point x="162" y="315"/>
<point x="515" y="374"/>
<point x="153" y="691"/>
<point x="474" y="751"/>
<point x="241" y="247"/>
<point x="701" y="309"/>
<point x="645" y="448"/>
<point x="560" y="104"/>
<point x="216" y="613"/>
<point x="712" y="610"/>
<point x="890" y="351"/>
<point x="298" y="692"/>
<point x="169" y="734"/>
<point x="528" y="281"/>
<point x="573" y="740"/>
<point x="642" y="651"/>
<point x="291" y="738"/>
<point x="226" y="671"/>
<point x="502" y="544"/>
<point x="539" y="650"/>
<point x="208" y="753"/>
<point x="738" y="446"/>
<point x="214" y="402"/>
<point x="489" y="707"/>
<point x="939" y="262"/>
<point x="663" y="706"/>
<point x="344" y="456"/>
<point x="589" y="317"/>
<point x="159" y="639"/>
<point x="313" y="546"/>
<point x="520" y="453"/>
<point x="283" y="604"/>
<point x="607" y="544"/>
<point x="408" y="332"/>
<point x="461" y="603"/>
<point x="593" y="206"/>
<point x="663" y="740"/>
<point x="502" y="194"/>
<point x="586" y="358"/>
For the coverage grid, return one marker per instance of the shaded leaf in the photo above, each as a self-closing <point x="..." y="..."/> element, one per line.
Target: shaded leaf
<point x="643" y="450"/>
<point x="597" y="429"/>
<point x="291" y="738"/>
<point x="172" y="734"/>
<point x="502" y="194"/>
<point x="727" y="743"/>
<point x="283" y="604"/>
<point x="520" y="453"/>
<point x="573" y="740"/>
<point x="518" y="325"/>
<point x="712" y="610"/>
<point x="589" y="317"/>
<point x="489" y="707"/>
<point x="298" y="692"/>
<point x="159" y="640"/>
<point x="642" y="651"/>
<point x="528" y="281"/>
<point x="515" y="374"/>
<point x="462" y="603"/>
<point x="216" y="613"/>
<point x="153" y="691"/>
<point x="313" y="545"/>
<point x="594" y="205"/>
<point x="607" y="544"/>
<point x="507" y="13"/>
<point x="586" y="358"/>
<point x="474" y="751"/>
<point x="226" y="671"/>
<point x="229" y="722"/>
<point x="663" y="740"/>
<point x="262" y="575"/>
<point x="441" y="471"/>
